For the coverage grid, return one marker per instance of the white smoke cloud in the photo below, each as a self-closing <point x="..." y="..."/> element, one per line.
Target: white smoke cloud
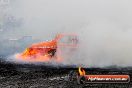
<point x="104" y="27"/>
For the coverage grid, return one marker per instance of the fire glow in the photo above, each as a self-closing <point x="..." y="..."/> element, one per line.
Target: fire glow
<point x="47" y="51"/>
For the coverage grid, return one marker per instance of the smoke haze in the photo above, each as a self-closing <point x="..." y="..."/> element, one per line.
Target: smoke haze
<point x="104" y="27"/>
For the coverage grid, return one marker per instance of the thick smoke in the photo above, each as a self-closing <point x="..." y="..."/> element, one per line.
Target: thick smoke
<point x="104" y="27"/>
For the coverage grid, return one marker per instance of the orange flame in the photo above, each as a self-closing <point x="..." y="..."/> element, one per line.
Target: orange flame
<point x="81" y="71"/>
<point x="46" y="51"/>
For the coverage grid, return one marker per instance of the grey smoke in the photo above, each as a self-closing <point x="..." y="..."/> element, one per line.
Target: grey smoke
<point x="104" y="27"/>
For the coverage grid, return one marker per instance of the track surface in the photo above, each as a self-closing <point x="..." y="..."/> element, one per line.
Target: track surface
<point x="41" y="76"/>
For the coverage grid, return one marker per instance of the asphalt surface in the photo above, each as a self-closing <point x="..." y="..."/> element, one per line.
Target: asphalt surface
<point x="42" y="76"/>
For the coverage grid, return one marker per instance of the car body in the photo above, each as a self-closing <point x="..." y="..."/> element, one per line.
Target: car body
<point x="45" y="51"/>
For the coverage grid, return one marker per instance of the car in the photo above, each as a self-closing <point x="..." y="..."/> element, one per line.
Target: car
<point x="46" y="51"/>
